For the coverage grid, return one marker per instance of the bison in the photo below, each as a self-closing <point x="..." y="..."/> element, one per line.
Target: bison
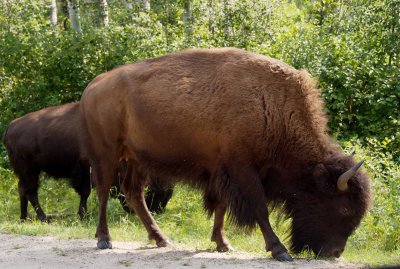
<point x="246" y="129"/>
<point x="48" y="140"/>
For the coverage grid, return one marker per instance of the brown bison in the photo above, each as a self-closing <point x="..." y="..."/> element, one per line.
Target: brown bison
<point x="48" y="140"/>
<point x="246" y="129"/>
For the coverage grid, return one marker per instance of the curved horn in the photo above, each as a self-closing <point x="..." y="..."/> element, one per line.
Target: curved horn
<point x="345" y="177"/>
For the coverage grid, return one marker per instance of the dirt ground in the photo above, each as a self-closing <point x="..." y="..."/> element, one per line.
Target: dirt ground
<point x="49" y="252"/>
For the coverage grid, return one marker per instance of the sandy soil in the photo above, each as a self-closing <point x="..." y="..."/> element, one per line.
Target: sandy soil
<point x="49" y="252"/>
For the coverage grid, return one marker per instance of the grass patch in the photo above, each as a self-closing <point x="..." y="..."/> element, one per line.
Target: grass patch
<point x="375" y="243"/>
<point x="372" y="256"/>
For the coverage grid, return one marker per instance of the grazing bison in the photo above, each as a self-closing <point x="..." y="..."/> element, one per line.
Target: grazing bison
<point x="48" y="140"/>
<point x="246" y="129"/>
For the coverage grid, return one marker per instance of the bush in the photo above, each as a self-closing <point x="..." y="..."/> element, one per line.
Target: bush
<point x="351" y="47"/>
<point x="382" y="223"/>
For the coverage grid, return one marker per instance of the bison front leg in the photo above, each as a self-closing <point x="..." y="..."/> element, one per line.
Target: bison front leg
<point x="133" y="187"/>
<point x="24" y="206"/>
<point x="82" y="209"/>
<point x="248" y="201"/>
<point x="272" y="242"/>
<point x="84" y="195"/>
<point x="23" y="200"/>
<point x="158" y="194"/>
<point x="140" y="208"/>
<point x="33" y="198"/>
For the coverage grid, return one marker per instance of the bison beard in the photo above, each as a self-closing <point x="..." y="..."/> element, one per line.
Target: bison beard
<point x="48" y="140"/>
<point x="246" y="129"/>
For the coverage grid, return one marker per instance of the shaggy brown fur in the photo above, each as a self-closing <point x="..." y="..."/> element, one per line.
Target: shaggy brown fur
<point x="48" y="140"/>
<point x="246" y="129"/>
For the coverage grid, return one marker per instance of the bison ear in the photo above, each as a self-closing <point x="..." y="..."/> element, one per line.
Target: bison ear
<point x="322" y="179"/>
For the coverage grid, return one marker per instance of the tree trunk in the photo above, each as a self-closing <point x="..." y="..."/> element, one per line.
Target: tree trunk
<point x="128" y="4"/>
<point x="144" y="3"/>
<point x="166" y="30"/>
<point x="211" y="18"/>
<point x="104" y="12"/>
<point x="187" y="17"/>
<point x="53" y="12"/>
<point x="226" y="21"/>
<point x="74" y="16"/>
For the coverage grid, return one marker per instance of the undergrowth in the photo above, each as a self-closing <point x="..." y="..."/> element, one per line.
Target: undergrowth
<point x="375" y="242"/>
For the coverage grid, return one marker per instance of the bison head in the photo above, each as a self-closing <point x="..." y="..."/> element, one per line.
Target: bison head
<point x="328" y="206"/>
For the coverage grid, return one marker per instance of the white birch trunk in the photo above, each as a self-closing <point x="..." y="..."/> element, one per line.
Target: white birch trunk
<point x="144" y="3"/>
<point x="128" y="4"/>
<point x="104" y="12"/>
<point x="187" y="17"/>
<point x="53" y="16"/>
<point x="74" y="16"/>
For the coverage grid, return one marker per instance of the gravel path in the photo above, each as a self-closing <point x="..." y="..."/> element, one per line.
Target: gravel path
<point x="32" y="252"/>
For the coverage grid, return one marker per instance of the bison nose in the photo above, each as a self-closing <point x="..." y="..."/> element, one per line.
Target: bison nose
<point x="337" y="252"/>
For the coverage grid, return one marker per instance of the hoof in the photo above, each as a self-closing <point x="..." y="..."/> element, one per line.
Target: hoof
<point x="225" y="248"/>
<point x="46" y="219"/>
<point x="283" y="257"/>
<point x="104" y="244"/>
<point x="164" y="243"/>
<point x="83" y="216"/>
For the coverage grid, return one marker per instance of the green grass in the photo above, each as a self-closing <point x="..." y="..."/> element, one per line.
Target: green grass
<point x="376" y="241"/>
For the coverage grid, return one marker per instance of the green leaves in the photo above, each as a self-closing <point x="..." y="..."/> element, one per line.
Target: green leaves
<point x="352" y="47"/>
<point x="357" y="67"/>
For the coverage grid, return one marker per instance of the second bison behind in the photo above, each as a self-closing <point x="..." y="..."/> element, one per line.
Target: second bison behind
<point x="48" y="141"/>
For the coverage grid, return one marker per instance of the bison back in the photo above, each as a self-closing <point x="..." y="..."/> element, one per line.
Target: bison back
<point x="200" y="106"/>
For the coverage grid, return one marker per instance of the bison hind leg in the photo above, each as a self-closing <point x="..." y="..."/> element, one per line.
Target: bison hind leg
<point x="28" y="186"/>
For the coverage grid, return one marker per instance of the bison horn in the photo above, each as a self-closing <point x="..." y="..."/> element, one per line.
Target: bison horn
<point x="345" y="177"/>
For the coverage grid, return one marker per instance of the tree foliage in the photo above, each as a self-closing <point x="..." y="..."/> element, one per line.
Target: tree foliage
<point x="351" y="47"/>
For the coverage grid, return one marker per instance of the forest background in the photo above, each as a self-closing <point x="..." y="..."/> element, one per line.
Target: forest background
<point x="50" y="51"/>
